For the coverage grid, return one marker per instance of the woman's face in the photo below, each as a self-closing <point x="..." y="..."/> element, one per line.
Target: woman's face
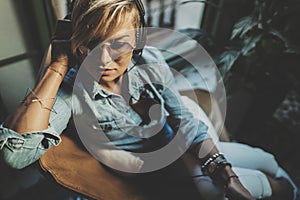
<point x="110" y="59"/>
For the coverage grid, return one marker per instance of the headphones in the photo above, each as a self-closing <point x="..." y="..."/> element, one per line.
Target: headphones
<point x="141" y="35"/>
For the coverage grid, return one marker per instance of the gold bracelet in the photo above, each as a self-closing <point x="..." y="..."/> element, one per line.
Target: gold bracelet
<point x="228" y="180"/>
<point x="232" y="176"/>
<point x="55" y="70"/>
<point x="37" y="99"/>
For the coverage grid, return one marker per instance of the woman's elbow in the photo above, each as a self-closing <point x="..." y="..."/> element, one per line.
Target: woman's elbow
<point x="15" y="160"/>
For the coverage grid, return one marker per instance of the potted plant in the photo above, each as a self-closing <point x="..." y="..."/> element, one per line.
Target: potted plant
<point x="260" y="61"/>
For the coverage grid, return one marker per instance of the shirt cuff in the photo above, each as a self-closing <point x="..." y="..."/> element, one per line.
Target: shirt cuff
<point x="28" y="140"/>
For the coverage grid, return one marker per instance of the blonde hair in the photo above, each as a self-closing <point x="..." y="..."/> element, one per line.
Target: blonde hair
<point x="96" y="20"/>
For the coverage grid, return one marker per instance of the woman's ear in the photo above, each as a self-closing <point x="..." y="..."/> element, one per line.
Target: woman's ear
<point x="83" y="50"/>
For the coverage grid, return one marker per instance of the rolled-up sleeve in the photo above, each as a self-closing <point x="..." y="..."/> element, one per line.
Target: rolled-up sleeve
<point x="21" y="150"/>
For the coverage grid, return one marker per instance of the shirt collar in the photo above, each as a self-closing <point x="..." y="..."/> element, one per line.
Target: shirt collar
<point x="90" y="85"/>
<point x="97" y="90"/>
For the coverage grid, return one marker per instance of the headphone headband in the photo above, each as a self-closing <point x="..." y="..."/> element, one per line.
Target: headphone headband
<point x="140" y="6"/>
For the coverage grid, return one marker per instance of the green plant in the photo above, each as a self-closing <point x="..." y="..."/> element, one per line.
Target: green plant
<point x="262" y="45"/>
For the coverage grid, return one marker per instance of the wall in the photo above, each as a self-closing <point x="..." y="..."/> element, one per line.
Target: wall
<point x="22" y="42"/>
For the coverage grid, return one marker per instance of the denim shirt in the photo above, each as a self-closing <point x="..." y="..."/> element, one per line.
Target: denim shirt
<point x="96" y="110"/>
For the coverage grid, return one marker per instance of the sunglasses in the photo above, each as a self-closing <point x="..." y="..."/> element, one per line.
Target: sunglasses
<point x="115" y="48"/>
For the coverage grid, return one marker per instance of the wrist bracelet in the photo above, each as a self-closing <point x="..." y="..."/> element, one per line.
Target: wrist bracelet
<point x="27" y="101"/>
<point x="212" y="158"/>
<point x="232" y="176"/>
<point x="55" y="70"/>
<point x="213" y="165"/>
<point x="228" y="180"/>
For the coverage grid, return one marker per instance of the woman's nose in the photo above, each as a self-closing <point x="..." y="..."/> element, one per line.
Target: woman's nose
<point x="105" y="55"/>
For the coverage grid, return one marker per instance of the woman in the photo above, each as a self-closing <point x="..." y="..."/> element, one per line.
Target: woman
<point x="127" y="100"/>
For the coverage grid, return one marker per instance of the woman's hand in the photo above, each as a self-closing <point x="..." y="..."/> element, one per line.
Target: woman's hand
<point x="234" y="190"/>
<point x="60" y="44"/>
<point x="61" y="53"/>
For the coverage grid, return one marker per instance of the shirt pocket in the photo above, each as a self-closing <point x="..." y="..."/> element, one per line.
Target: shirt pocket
<point x="111" y="124"/>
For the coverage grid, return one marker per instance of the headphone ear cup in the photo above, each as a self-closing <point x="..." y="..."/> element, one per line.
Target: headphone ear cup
<point x="141" y="34"/>
<point x="141" y="38"/>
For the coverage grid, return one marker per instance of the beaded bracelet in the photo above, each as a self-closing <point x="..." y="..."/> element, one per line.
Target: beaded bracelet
<point x="212" y="158"/>
<point x="214" y="164"/>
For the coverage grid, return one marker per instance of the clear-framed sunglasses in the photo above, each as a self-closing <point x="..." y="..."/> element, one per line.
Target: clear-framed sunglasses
<point x="114" y="47"/>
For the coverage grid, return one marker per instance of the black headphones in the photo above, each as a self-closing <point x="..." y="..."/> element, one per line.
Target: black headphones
<point x="141" y="35"/>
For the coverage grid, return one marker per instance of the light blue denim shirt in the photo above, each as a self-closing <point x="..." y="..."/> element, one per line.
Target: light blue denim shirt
<point x="96" y="110"/>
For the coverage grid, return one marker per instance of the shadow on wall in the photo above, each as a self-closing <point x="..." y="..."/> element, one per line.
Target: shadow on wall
<point x="24" y="35"/>
<point x="3" y="112"/>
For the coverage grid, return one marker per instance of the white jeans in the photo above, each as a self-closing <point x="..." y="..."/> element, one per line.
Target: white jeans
<point x="248" y="162"/>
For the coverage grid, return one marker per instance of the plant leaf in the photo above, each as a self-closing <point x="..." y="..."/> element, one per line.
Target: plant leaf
<point x="226" y="60"/>
<point x="250" y="43"/>
<point x="243" y="26"/>
<point x="289" y="47"/>
<point x="278" y="35"/>
<point x="292" y="50"/>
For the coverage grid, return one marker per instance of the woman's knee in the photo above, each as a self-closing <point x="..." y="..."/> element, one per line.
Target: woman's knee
<point x="256" y="182"/>
<point x="245" y="156"/>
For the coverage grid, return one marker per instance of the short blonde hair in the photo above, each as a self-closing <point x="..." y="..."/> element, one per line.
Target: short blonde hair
<point x="96" y="20"/>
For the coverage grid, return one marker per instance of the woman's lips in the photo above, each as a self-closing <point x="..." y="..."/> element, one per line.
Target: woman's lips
<point x="107" y="71"/>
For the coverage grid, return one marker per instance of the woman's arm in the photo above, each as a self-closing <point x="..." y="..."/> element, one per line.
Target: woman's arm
<point x="35" y="126"/>
<point x="34" y="112"/>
